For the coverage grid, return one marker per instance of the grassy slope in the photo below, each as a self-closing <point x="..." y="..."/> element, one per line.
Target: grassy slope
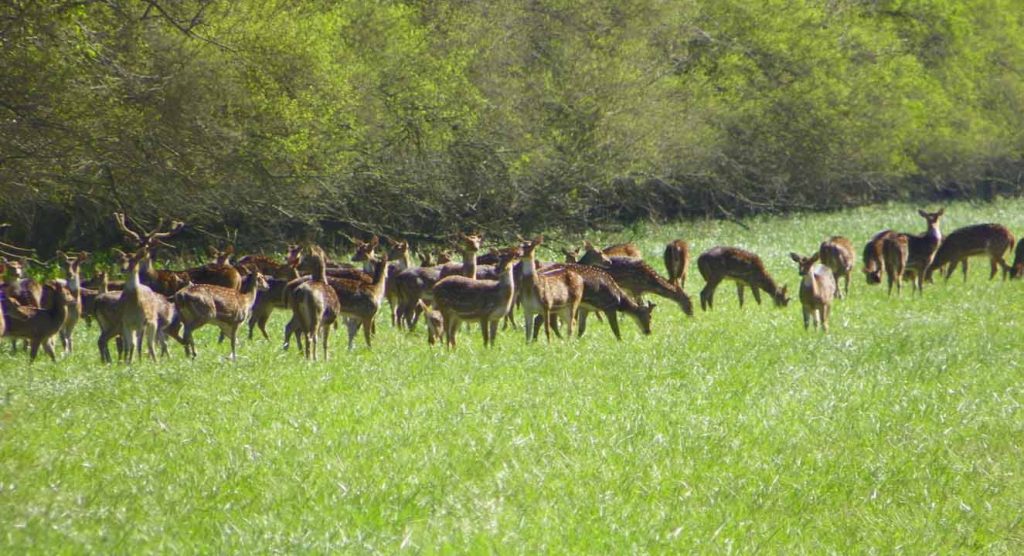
<point x="902" y="429"/>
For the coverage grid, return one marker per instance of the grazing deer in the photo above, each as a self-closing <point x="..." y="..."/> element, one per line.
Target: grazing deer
<point x="837" y="254"/>
<point x="817" y="288"/>
<point x="459" y="298"/>
<point x="315" y="307"/>
<point x="993" y="240"/>
<point x="895" y="252"/>
<point x="741" y="266"/>
<point x="72" y="267"/>
<point x="636" y="277"/>
<point x="359" y="303"/>
<point x="602" y="295"/>
<point x="874" y="259"/>
<point x="1017" y="268"/>
<point x="921" y="249"/>
<point x="554" y="290"/>
<point x="677" y="262"/>
<point x="200" y="304"/>
<point x="36" y="325"/>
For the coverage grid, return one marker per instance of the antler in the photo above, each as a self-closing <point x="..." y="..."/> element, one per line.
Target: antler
<point x="119" y="218"/>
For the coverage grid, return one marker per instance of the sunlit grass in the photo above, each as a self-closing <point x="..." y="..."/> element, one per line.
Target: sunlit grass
<point x="902" y="429"/>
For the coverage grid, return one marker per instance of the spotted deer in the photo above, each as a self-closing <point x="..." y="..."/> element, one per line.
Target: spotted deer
<point x="226" y="308"/>
<point x="72" y="266"/>
<point x="359" y="303"/>
<point x="602" y="295"/>
<point x="38" y="325"/>
<point x="315" y="307"/>
<point x="837" y="254"/>
<point x="636" y="277"/>
<point x="677" y="262"/>
<point x="817" y="288"/>
<point x="741" y="266"/>
<point x="895" y="252"/>
<point x="555" y="290"/>
<point x="993" y="240"/>
<point x="414" y="284"/>
<point x="460" y="298"/>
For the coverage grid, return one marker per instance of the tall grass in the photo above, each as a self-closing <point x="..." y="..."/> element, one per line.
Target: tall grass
<point x="736" y="430"/>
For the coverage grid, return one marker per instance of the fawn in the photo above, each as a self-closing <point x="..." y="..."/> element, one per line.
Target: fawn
<point x="817" y="288"/>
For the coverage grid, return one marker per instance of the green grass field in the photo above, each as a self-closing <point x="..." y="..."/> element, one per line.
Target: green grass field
<point x="902" y="430"/>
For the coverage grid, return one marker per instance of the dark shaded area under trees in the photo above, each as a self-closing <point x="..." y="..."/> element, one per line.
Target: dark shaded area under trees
<point x="290" y="120"/>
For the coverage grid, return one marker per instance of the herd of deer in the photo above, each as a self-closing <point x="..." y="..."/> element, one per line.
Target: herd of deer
<point x="151" y="305"/>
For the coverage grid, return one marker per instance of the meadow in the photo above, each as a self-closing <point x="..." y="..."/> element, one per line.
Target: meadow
<point x="901" y="430"/>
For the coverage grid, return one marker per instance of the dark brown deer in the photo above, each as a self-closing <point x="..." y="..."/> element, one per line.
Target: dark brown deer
<point x="993" y="240"/>
<point x="895" y="252"/>
<point x="552" y="291"/>
<point x="817" y="288"/>
<point x="874" y="260"/>
<point x="636" y="277"/>
<point x="201" y="304"/>
<point x="837" y="254"/>
<point x="38" y="326"/>
<point x="677" y="262"/>
<point x="459" y="298"/>
<point x="921" y="249"/>
<point x="741" y="266"/>
<point x="1017" y="268"/>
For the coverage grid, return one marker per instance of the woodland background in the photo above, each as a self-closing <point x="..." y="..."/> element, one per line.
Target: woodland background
<point x="329" y="119"/>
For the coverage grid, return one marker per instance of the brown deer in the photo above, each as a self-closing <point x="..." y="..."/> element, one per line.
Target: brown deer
<point x="993" y="240"/>
<point x="200" y="304"/>
<point x="874" y="259"/>
<point x="677" y="262"/>
<point x="617" y="250"/>
<point x="105" y="311"/>
<point x="895" y="252"/>
<point x="36" y="325"/>
<point x="817" y="288"/>
<point x="137" y="311"/>
<point x="921" y="249"/>
<point x="72" y="267"/>
<point x="837" y="254"/>
<point x="435" y="323"/>
<point x="602" y="295"/>
<point x="359" y="303"/>
<point x="1017" y="268"/>
<point x="398" y="252"/>
<point x="414" y="284"/>
<point x="24" y="291"/>
<point x="741" y="266"/>
<point x="459" y="298"/>
<point x="554" y="290"/>
<point x="271" y="268"/>
<point x="315" y="307"/>
<point x="636" y="277"/>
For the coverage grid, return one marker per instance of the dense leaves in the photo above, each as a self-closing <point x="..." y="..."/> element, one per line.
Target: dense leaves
<point x="292" y="119"/>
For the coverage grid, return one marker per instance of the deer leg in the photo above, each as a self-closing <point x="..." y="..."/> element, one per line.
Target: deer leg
<point x="613" y="322"/>
<point x="528" y="325"/>
<point x="326" y="339"/>
<point x="807" y="318"/>
<point x="485" y="330"/>
<point x="353" y="328"/>
<point x="33" y="349"/>
<point x="150" y="336"/>
<point x="366" y="333"/>
<point x="582" y="325"/>
<point x="233" y="335"/>
<point x="494" y="331"/>
<point x="757" y="294"/>
<point x="826" y="310"/>
<point x="994" y="268"/>
<point x="547" y="324"/>
<point x="707" y="295"/>
<point x="739" y="293"/>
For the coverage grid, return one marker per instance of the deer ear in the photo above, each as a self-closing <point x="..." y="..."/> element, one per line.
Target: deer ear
<point x="814" y="258"/>
<point x="211" y="250"/>
<point x="922" y="213"/>
<point x="795" y="257"/>
<point x="374" y="241"/>
<point x="941" y="211"/>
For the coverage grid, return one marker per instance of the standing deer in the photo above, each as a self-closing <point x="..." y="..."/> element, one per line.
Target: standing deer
<point x="137" y="310"/>
<point x="359" y="303"/>
<point x="618" y="250"/>
<point x="817" y="288"/>
<point x="741" y="266"/>
<point x="895" y="253"/>
<point x="73" y="267"/>
<point x="36" y="325"/>
<point x="636" y="277"/>
<point x="874" y="260"/>
<point x="677" y="262"/>
<point x="921" y="249"/>
<point x="601" y="294"/>
<point x="1017" y="268"/>
<point x="993" y="240"/>
<point x="200" y="304"/>
<point x="837" y="254"/>
<point x="459" y="298"/>
<point x="553" y="291"/>
<point x="414" y="284"/>
<point x="315" y="307"/>
<point x="399" y="252"/>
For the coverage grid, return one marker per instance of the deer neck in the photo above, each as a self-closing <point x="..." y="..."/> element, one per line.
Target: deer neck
<point x="146" y="268"/>
<point x="933" y="232"/>
<point x="469" y="264"/>
<point x="132" y="283"/>
<point x="506" y="282"/>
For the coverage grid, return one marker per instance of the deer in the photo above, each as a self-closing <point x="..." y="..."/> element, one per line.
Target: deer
<point x="72" y="266"/>
<point x="993" y="240"/>
<point x="24" y="291"/>
<point x="435" y="323"/>
<point x="200" y="304"/>
<point x="359" y="303"/>
<point x="398" y="252"/>
<point x="817" y="288"/>
<point x="677" y="262"/>
<point x="315" y="307"/>
<point x="270" y="268"/>
<point x="414" y="284"/>
<point x="551" y="291"/>
<point x="1017" y="268"/>
<point x="137" y="308"/>
<point x="921" y="249"/>
<point x="874" y="259"/>
<point x="602" y="295"/>
<point x="460" y="298"/>
<point x="37" y="325"/>
<point x="837" y="254"/>
<point x="895" y="252"/>
<point x="636" y="277"/>
<point x="741" y="266"/>
<point x="618" y="250"/>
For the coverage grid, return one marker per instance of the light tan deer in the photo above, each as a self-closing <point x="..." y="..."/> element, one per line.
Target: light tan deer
<point x="921" y="249"/>
<point x="137" y="310"/>
<point x="895" y="252"/>
<point x="618" y="250"/>
<point x="359" y="303"/>
<point x="72" y="268"/>
<point x="315" y="308"/>
<point x="459" y="298"/>
<point x="993" y="240"/>
<point x="38" y="326"/>
<point x="817" y="288"/>
<point x="636" y="277"/>
<point x="741" y="266"/>
<point x="874" y="259"/>
<point x="837" y="254"/>
<point x="201" y="304"/>
<point x="677" y="262"/>
<point x="552" y="291"/>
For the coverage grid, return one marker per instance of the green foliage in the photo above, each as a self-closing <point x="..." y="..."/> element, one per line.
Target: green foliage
<point x="288" y="119"/>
